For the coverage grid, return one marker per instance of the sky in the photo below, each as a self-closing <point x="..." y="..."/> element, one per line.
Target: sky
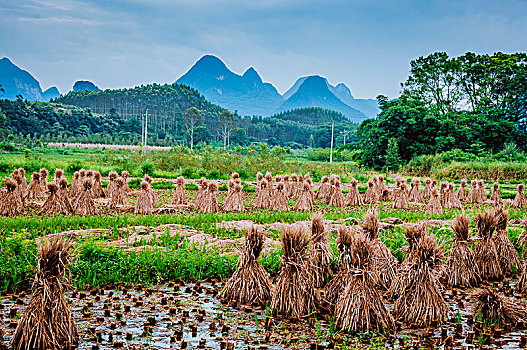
<point x="368" y="45"/>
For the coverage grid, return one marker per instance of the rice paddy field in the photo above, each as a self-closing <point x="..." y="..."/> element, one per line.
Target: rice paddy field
<point x="157" y="281"/>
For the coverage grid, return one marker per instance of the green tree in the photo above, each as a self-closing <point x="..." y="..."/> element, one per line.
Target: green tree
<point x="393" y="161"/>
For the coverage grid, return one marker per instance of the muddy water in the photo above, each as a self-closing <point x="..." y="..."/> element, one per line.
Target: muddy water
<point x="177" y="315"/>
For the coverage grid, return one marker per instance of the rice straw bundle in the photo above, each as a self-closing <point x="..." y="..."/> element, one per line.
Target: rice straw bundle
<point x="250" y="284"/>
<point x="360" y="308"/>
<point x="482" y="195"/>
<point x="324" y="187"/>
<point x="11" y="204"/>
<point x="89" y="176"/>
<point x="336" y="286"/>
<point x="230" y="193"/>
<point x="34" y="191"/>
<point x="18" y="179"/>
<point x="385" y="196"/>
<point x="452" y="200"/>
<point x="126" y="175"/>
<point x="415" y="192"/>
<point x="150" y="190"/>
<point x="421" y="303"/>
<point x="119" y="194"/>
<point x="299" y="185"/>
<point x="63" y="195"/>
<point x="44" y="179"/>
<point x="462" y="192"/>
<point x="179" y="197"/>
<point x="309" y="181"/>
<point x="287" y="185"/>
<point x="110" y="189"/>
<point x="337" y="198"/>
<point x="23" y="184"/>
<point x="269" y="178"/>
<point x="376" y="188"/>
<point x="382" y="185"/>
<point x="320" y="254"/>
<point x="508" y="257"/>
<point x="486" y="253"/>
<point x="263" y="201"/>
<point x="520" y="200"/>
<point x="400" y="196"/>
<point x="47" y="322"/>
<point x="370" y="197"/>
<point x="236" y="200"/>
<point x="427" y="190"/>
<point x="278" y="179"/>
<point x="489" y="306"/>
<point x="461" y="269"/>
<point x="75" y="184"/>
<point x="59" y="174"/>
<point x="144" y="203"/>
<point x="98" y="191"/>
<point x="443" y="195"/>
<point x="304" y="202"/>
<point x="259" y="178"/>
<point x="495" y="196"/>
<point x="203" y="185"/>
<point x="353" y="198"/>
<point x="473" y="196"/>
<point x="331" y="188"/>
<point x="85" y="204"/>
<point x="210" y="202"/>
<point x="294" y="294"/>
<point x="383" y="262"/>
<point x="54" y="205"/>
<point x="434" y="206"/>
<point x="413" y="235"/>
<point x="279" y="202"/>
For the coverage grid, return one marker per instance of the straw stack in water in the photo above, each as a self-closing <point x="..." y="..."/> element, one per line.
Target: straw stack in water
<point x="294" y="293"/>
<point x="508" y="257"/>
<point x="462" y="192"/>
<point x="353" y="198"/>
<point x="34" y="191"/>
<point x="492" y="307"/>
<point x="383" y="261"/>
<point x="421" y="303"/>
<point x="336" y="286"/>
<point x="320" y="254"/>
<point x="179" y="197"/>
<point x="250" y="284"/>
<point x="486" y="253"/>
<point x="10" y="202"/>
<point x="54" y="205"/>
<point x="279" y="202"/>
<point x="144" y="203"/>
<point x="461" y="269"/>
<point x="98" y="191"/>
<point x="47" y="322"/>
<point x="360" y="308"/>
<point x="520" y="200"/>
<point x="85" y="204"/>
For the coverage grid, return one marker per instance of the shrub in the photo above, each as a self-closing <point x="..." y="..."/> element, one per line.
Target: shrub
<point x="147" y="168"/>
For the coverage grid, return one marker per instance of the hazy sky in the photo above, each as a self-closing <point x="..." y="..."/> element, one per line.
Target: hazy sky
<point x="365" y="44"/>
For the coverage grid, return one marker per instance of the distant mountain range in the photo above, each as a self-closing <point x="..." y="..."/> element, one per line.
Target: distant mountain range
<point x="16" y="81"/>
<point x="249" y="95"/>
<point x="246" y="93"/>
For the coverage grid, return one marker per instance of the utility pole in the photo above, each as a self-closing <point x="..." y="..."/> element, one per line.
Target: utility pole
<point x="331" y="152"/>
<point x="146" y="133"/>
<point x="344" y="133"/>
